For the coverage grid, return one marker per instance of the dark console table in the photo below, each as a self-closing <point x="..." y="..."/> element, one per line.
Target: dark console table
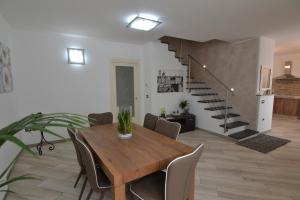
<point x="187" y="121"/>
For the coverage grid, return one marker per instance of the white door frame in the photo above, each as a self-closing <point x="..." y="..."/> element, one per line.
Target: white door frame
<point x="137" y="93"/>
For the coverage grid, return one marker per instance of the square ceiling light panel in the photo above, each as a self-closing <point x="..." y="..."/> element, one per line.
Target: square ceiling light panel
<point x="143" y="24"/>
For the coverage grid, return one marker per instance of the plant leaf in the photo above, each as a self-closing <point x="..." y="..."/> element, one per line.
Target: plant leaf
<point x="8" y="191"/>
<point x="7" y="168"/>
<point x="17" y="141"/>
<point x="18" y="178"/>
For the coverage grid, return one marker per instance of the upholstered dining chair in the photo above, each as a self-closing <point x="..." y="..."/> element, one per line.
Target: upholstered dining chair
<point x="175" y="184"/>
<point x="170" y="129"/>
<point x="150" y="121"/>
<point x="94" y="174"/>
<point x="100" y="118"/>
<point x="72" y="134"/>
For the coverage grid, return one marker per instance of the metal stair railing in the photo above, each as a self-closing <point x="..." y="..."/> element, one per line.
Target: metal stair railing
<point x="228" y="90"/>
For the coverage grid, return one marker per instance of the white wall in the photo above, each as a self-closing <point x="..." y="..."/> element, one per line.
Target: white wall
<point x="265" y="56"/>
<point x="7" y="100"/>
<point x="8" y="106"/>
<point x="265" y="103"/>
<point x="157" y="57"/>
<point x="279" y="62"/>
<point x="46" y="83"/>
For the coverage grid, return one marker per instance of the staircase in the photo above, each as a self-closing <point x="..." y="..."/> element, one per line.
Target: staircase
<point x="212" y="110"/>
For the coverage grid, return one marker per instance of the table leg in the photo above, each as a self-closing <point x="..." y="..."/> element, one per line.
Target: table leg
<point x="192" y="192"/>
<point x="119" y="192"/>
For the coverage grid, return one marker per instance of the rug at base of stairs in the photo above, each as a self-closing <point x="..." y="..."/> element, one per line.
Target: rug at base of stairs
<point x="263" y="143"/>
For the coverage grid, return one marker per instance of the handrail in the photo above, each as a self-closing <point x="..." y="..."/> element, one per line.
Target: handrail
<point x="228" y="90"/>
<point x="212" y="75"/>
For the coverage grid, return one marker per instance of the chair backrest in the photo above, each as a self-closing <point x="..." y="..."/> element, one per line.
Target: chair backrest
<point x="170" y="129"/>
<point x="180" y="172"/>
<point x="150" y="121"/>
<point x="100" y="118"/>
<point x="72" y="133"/>
<point x="89" y="163"/>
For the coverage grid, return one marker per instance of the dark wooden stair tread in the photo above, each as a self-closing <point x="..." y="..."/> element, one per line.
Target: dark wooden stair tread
<point x="195" y="82"/>
<point x="217" y="108"/>
<point x="229" y="115"/>
<point x="235" y="124"/>
<point x="198" y="88"/>
<point x="243" y="134"/>
<point x="205" y="94"/>
<point x="211" y="101"/>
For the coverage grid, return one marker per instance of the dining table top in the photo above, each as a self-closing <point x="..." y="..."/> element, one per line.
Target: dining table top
<point x="124" y="160"/>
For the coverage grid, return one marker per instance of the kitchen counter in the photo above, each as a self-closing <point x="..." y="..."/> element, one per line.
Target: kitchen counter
<point x="287" y="97"/>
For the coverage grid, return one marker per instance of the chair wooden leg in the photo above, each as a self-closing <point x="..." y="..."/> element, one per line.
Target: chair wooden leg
<point x="83" y="187"/>
<point x="90" y="194"/>
<point x="78" y="178"/>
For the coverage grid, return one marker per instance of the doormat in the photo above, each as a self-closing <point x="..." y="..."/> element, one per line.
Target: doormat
<point x="263" y="143"/>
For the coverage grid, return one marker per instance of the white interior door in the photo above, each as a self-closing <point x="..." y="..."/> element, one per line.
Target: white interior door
<point x="126" y="90"/>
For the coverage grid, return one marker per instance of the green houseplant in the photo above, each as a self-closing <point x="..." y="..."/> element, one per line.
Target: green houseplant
<point x="184" y="106"/>
<point x="36" y="122"/>
<point x="124" y="125"/>
<point x="163" y="112"/>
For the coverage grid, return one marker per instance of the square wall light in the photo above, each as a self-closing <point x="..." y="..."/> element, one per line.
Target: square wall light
<point x="76" y="56"/>
<point x="143" y="24"/>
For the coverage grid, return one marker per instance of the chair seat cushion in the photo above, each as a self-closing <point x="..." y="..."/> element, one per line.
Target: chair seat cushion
<point x="151" y="187"/>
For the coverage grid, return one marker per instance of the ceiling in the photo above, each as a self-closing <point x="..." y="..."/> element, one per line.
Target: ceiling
<point x="198" y="20"/>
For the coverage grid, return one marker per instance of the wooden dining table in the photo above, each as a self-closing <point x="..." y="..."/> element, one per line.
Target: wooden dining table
<point x="126" y="160"/>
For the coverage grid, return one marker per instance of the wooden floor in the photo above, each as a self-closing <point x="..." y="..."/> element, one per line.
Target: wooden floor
<point x="225" y="171"/>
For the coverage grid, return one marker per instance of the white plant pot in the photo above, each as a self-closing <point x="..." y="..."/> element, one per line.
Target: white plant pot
<point x="124" y="136"/>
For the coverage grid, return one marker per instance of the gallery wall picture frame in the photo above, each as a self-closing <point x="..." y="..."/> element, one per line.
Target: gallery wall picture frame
<point x="6" y="81"/>
<point x="169" y="81"/>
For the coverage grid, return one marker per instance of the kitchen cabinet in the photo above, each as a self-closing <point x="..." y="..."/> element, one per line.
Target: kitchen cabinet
<point x="287" y="105"/>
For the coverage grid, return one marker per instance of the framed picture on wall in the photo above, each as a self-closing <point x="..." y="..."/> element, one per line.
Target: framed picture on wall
<point x="265" y="80"/>
<point x="6" y="83"/>
<point x="170" y="81"/>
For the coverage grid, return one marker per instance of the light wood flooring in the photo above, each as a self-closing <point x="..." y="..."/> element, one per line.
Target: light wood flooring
<point x="226" y="171"/>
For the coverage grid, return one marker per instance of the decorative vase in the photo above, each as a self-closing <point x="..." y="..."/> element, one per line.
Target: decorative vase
<point x="186" y="111"/>
<point x="124" y="136"/>
<point x="124" y="125"/>
<point x="163" y="115"/>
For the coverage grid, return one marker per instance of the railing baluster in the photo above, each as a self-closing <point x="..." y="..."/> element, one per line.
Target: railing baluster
<point x="180" y="52"/>
<point x="189" y="79"/>
<point x="226" y="112"/>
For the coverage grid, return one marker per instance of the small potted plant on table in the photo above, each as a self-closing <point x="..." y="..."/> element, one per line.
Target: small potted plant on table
<point x="124" y="125"/>
<point x="163" y="112"/>
<point x="184" y="106"/>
